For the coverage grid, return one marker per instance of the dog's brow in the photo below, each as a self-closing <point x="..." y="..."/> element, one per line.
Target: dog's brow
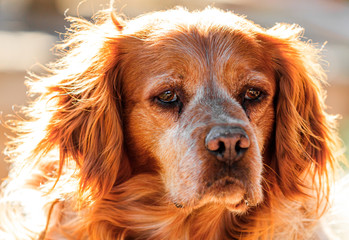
<point x="257" y="78"/>
<point x="165" y="78"/>
<point x="161" y="80"/>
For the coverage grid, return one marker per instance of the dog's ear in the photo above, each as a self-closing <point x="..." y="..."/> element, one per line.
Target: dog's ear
<point x="86" y="115"/>
<point x="304" y="133"/>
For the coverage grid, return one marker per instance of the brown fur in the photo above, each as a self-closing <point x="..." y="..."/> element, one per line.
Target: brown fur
<point x="103" y="159"/>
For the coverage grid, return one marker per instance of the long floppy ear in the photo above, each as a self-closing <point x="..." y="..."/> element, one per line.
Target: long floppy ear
<point x="305" y="139"/>
<point x="85" y="100"/>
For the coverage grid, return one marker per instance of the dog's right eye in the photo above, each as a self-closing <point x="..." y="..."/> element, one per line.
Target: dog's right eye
<point x="169" y="100"/>
<point x="168" y="97"/>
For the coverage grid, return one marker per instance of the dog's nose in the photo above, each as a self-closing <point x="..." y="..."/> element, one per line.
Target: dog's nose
<point x="227" y="143"/>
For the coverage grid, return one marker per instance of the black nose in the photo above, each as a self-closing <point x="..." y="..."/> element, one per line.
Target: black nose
<point x="227" y="143"/>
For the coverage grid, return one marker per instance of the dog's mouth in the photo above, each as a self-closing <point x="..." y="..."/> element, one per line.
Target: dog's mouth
<point x="230" y="192"/>
<point x="226" y="191"/>
<point x="224" y="182"/>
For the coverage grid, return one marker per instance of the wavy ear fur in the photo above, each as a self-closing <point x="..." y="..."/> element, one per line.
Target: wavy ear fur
<point x="304" y="133"/>
<point x="84" y="91"/>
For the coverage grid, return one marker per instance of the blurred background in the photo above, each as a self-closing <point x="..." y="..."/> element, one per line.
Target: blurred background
<point x="30" y="28"/>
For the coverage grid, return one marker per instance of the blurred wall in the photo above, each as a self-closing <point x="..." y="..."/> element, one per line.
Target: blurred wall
<point x="29" y="29"/>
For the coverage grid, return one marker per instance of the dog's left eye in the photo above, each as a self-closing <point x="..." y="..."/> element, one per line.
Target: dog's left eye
<point x="168" y="97"/>
<point x="252" y="94"/>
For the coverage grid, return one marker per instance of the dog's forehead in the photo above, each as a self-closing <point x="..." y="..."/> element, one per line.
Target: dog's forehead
<point x="201" y="56"/>
<point x="196" y="51"/>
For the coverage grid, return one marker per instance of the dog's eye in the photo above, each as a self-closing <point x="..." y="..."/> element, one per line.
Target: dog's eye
<point x="169" y="100"/>
<point x="252" y="94"/>
<point x="168" y="97"/>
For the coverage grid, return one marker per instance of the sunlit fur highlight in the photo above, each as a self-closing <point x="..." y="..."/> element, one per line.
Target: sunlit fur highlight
<point x="70" y="144"/>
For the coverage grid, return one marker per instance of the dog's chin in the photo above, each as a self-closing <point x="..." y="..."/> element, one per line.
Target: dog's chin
<point x="226" y="192"/>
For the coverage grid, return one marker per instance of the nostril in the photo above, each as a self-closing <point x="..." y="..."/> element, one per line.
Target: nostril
<point x="237" y="147"/>
<point x="221" y="147"/>
<point x="240" y="147"/>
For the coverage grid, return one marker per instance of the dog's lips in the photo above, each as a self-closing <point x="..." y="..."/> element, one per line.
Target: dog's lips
<point x="227" y="190"/>
<point x="223" y="182"/>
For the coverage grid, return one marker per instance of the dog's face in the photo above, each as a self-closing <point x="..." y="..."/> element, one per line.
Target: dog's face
<point x="198" y="108"/>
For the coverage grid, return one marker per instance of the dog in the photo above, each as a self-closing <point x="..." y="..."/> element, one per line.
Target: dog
<point x="174" y="125"/>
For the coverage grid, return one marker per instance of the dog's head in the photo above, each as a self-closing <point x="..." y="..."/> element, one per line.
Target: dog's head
<point x="222" y="110"/>
<point x="198" y="104"/>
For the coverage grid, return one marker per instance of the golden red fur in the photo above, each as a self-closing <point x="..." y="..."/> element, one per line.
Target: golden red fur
<point x="174" y="125"/>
